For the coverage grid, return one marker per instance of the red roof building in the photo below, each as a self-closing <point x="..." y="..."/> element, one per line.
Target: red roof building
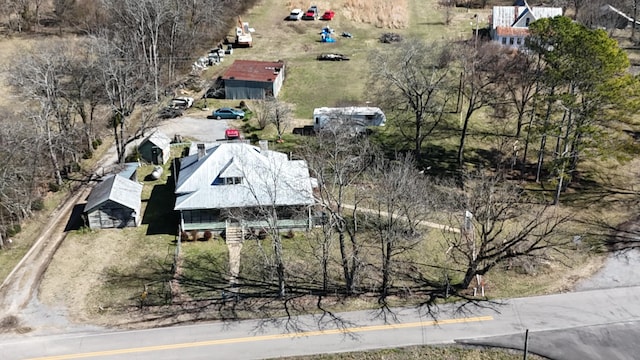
<point x="249" y="79"/>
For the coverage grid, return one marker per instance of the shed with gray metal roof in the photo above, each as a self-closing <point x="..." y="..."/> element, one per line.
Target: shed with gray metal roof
<point x="114" y="203"/>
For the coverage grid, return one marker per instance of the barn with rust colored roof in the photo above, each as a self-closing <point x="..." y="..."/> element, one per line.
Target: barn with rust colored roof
<point x="249" y="79"/>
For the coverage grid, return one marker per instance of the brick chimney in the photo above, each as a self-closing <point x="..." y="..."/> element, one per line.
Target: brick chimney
<point x="201" y="151"/>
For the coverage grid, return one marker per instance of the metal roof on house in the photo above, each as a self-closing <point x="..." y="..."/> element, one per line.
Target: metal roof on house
<point x="158" y="139"/>
<point x="117" y="189"/>
<point x="608" y="8"/>
<point x="268" y="178"/>
<point x="250" y="70"/>
<point x="129" y="169"/>
<point x="506" y="16"/>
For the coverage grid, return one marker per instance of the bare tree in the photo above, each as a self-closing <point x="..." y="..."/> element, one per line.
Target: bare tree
<point x="402" y="202"/>
<point x="479" y="88"/>
<point x="125" y="88"/>
<point x="415" y="83"/>
<point x="338" y="160"/>
<point x="23" y="170"/>
<point x="277" y="186"/>
<point x="264" y="111"/>
<point x="280" y="116"/>
<point x="501" y="228"/>
<point x="83" y="90"/>
<point x="38" y="77"/>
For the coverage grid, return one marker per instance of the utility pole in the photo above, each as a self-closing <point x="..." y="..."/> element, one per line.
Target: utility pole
<point x="633" y="24"/>
<point x="476" y="34"/>
<point x="526" y="344"/>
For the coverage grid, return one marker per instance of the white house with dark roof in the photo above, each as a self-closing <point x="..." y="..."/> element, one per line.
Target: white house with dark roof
<point x="114" y="203"/>
<point x="237" y="182"/>
<point x="510" y="24"/>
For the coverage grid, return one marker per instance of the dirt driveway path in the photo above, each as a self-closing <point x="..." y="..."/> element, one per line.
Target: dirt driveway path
<point x="21" y="310"/>
<point x="18" y="293"/>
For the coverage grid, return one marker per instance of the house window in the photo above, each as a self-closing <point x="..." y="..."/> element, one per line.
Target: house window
<point x="511" y="41"/>
<point x="518" y="41"/>
<point x="527" y="21"/>
<point x="232" y="181"/>
<point x="504" y="41"/>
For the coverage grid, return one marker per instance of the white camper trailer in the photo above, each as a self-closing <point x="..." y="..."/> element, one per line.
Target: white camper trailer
<point x="357" y="118"/>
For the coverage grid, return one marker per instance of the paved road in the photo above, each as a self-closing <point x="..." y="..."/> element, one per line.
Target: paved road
<point x="578" y="317"/>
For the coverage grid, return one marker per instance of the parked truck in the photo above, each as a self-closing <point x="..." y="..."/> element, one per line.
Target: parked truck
<point x="357" y="119"/>
<point x="243" y="33"/>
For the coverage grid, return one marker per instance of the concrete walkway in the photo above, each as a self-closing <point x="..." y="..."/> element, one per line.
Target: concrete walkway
<point x="422" y="223"/>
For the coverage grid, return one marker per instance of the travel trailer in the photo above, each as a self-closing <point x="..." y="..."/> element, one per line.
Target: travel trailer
<point x="358" y="118"/>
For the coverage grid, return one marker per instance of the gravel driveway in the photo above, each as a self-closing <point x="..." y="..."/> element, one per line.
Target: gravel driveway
<point x="195" y="127"/>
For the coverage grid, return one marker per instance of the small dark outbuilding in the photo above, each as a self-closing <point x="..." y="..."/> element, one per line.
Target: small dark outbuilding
<point x="114" y="203"/>
<point x="156" y="148"/>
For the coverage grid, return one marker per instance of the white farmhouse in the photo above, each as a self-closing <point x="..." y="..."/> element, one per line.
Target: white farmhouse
<point x="510" y="24"/>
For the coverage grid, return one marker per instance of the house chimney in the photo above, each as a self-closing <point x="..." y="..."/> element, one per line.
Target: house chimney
<point x="264" y="145"/>
<point x="201" y="151"/>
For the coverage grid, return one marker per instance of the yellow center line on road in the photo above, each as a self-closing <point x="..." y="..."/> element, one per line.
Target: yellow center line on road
<point x="266" y="337"/>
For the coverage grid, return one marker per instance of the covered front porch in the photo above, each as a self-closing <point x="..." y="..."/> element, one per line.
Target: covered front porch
<point x="217" y="220"/>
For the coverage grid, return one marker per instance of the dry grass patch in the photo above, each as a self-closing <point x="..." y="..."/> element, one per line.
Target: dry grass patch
<point x="382" y="14"/>
<point x="79" y="275"/>
<point x="424" y="352"/>
<point x="379" y="13"/>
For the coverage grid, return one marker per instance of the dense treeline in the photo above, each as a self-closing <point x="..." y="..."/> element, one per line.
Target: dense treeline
<point x="112" y="57"/>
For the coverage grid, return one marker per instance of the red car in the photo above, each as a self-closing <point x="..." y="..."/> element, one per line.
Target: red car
<point x="232" y="134"/>
<point x="328" y="15"/>
<point x="311" y="14"/>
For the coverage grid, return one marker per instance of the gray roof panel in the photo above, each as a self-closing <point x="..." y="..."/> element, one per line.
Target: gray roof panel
<point x="118" y="189"/>
<point x="268" y="178"/>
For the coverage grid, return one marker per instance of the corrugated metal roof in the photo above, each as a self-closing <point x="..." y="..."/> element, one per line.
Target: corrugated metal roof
<point x="546" y="12"/>
<point x="268" y="178"/>
<point x="506" y="16"/>
<point x="118" y="189"/>
<point x="129" y="169"/>
<point x="159" y="139"/>
<point x="250" y="70"/>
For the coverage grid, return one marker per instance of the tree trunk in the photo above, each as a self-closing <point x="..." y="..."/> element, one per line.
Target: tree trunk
<point x="344" y="260"/>
<point x="543" y="140"/>
<point x="52" y="154"/>
<point x="463" y="136"/>
<point x="387" y="248"/>
<point x="277" y="243"/>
